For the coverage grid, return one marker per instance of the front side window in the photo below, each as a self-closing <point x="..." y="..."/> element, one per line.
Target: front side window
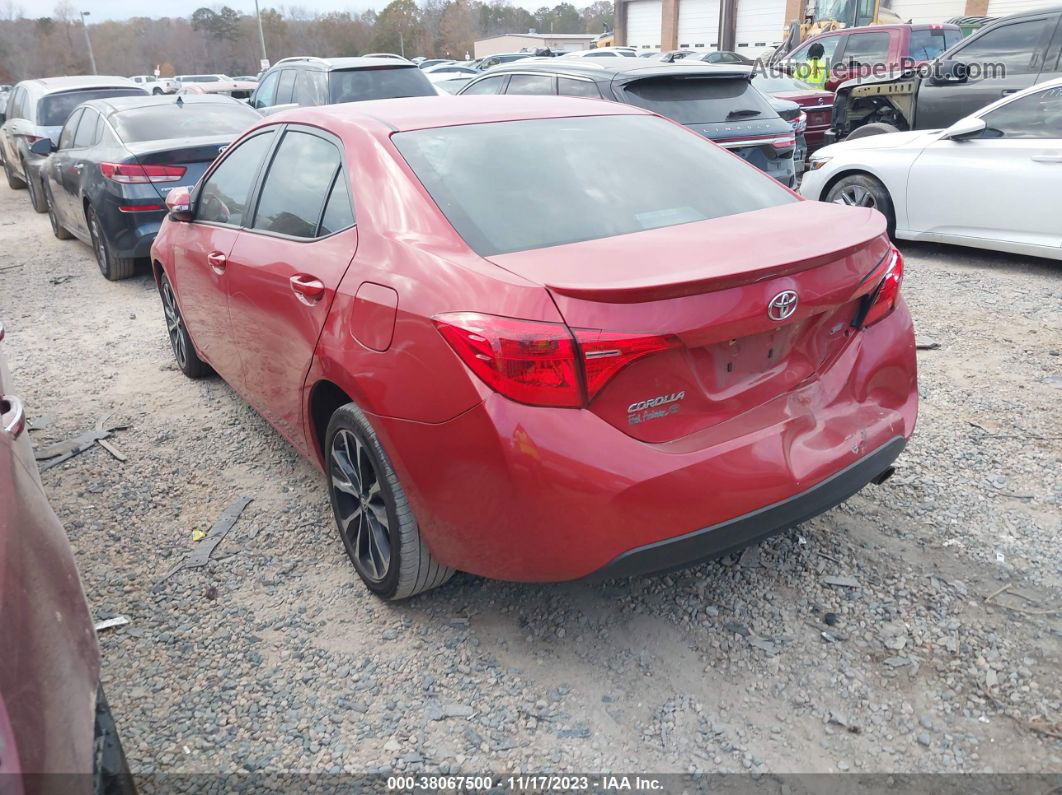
<point x="267" y="91"/>
<point x="86" y="129"/>
<point x="66" y="137"/>
<point x="1036" y="115"/>
<point x="555" y="181"/>
<point x="829" y="47"/>
<point x="1013" y="46"/>
<point x="867" y="49"/>
<point x="225" y="193"/>
<point x="530" y="84"/>
<point x="294" y="191"/>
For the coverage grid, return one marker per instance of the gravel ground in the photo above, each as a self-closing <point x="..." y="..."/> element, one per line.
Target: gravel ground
<point x="274" y="657"/>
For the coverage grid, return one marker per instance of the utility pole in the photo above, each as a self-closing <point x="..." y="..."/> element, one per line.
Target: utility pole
<point x="402" y="44"/>
<point x="88" y="41"/>
<point x="261" y="36"/>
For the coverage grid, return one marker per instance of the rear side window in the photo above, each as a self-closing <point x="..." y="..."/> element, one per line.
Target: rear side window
<point x="224" y="196"/>
<point x="297" y="185"/>
<point x="530" y="84"/>
<point x="555" y="181"/>
<point x="700" y="100"/>
<point x="286" y="87"/>
<point x="867" y="49"/>
<point x="309" y="88"/>
<point x="379" y="82"/>
<point x="568" y="87"/>
<point x="193" y="119"/>
<point x="928" y="44"/>
<point x="338" y="213"/>
<point x="1013" y="46"/>
<point x="54" y="109"/>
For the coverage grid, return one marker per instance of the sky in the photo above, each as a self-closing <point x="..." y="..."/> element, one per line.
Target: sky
<point x="123" y="9"/>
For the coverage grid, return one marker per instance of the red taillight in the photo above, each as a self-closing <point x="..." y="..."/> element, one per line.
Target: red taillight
<point x="883" y="299"/>
<point x="785" y="143"/>
<point x="539" y="363"/>
<point x="525" y="360"/>
<point x="605" y="353"/>
<point x="133" y="174"/>
<point x="141" y="208"/>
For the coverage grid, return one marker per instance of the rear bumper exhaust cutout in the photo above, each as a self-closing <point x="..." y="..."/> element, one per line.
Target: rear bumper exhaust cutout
<point x="885" y="475"/>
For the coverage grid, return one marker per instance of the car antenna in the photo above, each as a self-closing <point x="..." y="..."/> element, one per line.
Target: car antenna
<point x="180" y="102"/>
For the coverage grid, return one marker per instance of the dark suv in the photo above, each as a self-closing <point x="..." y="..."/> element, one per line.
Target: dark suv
<point x="719" y="102"/>
<point x="1011" y="54"/>
<point x="295" y="82"/>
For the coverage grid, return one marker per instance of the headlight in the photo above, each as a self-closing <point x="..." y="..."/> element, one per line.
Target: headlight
<point x="817" y="162"/>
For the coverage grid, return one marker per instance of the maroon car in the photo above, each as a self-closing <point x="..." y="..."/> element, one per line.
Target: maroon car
<point x="53" y="716"/>
<point x="817" y="104"/>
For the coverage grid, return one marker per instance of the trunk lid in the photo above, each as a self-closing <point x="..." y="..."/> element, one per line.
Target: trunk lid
<point x="195" y="154"/>
<point x="707" y="287"/>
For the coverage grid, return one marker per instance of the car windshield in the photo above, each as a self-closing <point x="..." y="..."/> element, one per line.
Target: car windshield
<point x="174" y="121"/>
<point x="54" y="109"/>
<point x="520" y="185"/>
<point x="774" y="83"/>
<point x="699" y="100"/>
<point x="378" y="82"/>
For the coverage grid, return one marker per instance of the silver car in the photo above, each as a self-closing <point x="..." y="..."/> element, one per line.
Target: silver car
<point x="38" y="109"/>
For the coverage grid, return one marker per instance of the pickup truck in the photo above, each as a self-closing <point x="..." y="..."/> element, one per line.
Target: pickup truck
<point x="1002" y="58"/>
<point x="877" y="49"/>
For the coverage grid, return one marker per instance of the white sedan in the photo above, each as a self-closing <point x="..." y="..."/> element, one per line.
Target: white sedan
<point x="992" y="180"/>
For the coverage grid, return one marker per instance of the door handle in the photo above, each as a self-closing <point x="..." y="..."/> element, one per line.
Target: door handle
<point x="308" y="289"/>
<point x="1047" y="158"/>
<point x="14" y="415"/>
<point x="217" y="261"/>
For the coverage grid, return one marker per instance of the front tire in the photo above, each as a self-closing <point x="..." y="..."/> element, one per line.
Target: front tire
<point x="58" y="229"/>
<point x="863" y="190"/>
<point x="183" y="350"/>
<point x="112" y="267"/>
<point x="372" y="514"/>
<point x="36" y="192"/>
<point x="13" y="182"/>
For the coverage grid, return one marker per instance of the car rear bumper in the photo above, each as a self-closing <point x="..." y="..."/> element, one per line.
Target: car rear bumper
<point x="527" y="493"/>
<point x="130" y="233"/>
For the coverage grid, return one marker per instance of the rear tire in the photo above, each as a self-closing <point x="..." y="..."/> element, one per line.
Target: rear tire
<point x="863" y="190"/>
<point x="372" y="514"/>
<point x="57" y="228"/>
<point x="36" y="192"/>
<point x="112" y="267"/>
<point x="183" y="349"/>
<point x="13" y="182"/>
<point x="874" y="128"/>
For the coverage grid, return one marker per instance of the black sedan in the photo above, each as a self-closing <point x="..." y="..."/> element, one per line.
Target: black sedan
<point x="106" y="181"/>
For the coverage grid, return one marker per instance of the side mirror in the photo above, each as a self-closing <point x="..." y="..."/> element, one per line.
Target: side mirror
<point x="963" y="129"/>
<point x="43" y="147"/>
<point x="179" y="204"/>
<point x="948" y="73"/>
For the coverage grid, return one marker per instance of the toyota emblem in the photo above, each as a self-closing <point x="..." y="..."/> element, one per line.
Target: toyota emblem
<point x="782" y="305"/>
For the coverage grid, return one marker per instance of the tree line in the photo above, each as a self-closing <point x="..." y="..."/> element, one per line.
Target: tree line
<point x="221" y="39"/>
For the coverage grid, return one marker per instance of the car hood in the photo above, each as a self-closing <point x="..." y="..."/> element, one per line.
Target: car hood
<point x="916" y="138"/>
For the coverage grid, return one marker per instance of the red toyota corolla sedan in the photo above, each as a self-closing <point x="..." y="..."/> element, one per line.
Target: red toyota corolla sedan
<point x="519" y="345"/>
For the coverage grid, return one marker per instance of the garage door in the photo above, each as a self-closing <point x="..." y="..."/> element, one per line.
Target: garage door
<point x="698" y="24"/>
<point x="760" y="24"/>
<point x="922" y="11"/>
<point x="1000" y="8"/>
<point x="643" y="23"/>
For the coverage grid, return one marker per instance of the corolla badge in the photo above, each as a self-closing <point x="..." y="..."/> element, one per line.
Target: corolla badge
<point x="782" y="305"/>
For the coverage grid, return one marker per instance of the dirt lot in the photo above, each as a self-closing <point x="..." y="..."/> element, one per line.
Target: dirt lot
<point x="274" y="657"/>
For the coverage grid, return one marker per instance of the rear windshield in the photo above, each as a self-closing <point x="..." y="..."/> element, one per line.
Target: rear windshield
<point x="173" y="121"/>
<point x="699" y="100"/>
<point x="928" y="44"/>
<point x="54" y="109"/>
<point x="513" y="186"/>
<point x="379" y="82"/>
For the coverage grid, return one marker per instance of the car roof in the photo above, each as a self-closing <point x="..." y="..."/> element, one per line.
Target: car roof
<point x="418" y="113"/>
<point x="111" y="105"/>
<point x="625" y="70"/>
<point x="352" y="62"/>
<point x="48" y="85"/>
